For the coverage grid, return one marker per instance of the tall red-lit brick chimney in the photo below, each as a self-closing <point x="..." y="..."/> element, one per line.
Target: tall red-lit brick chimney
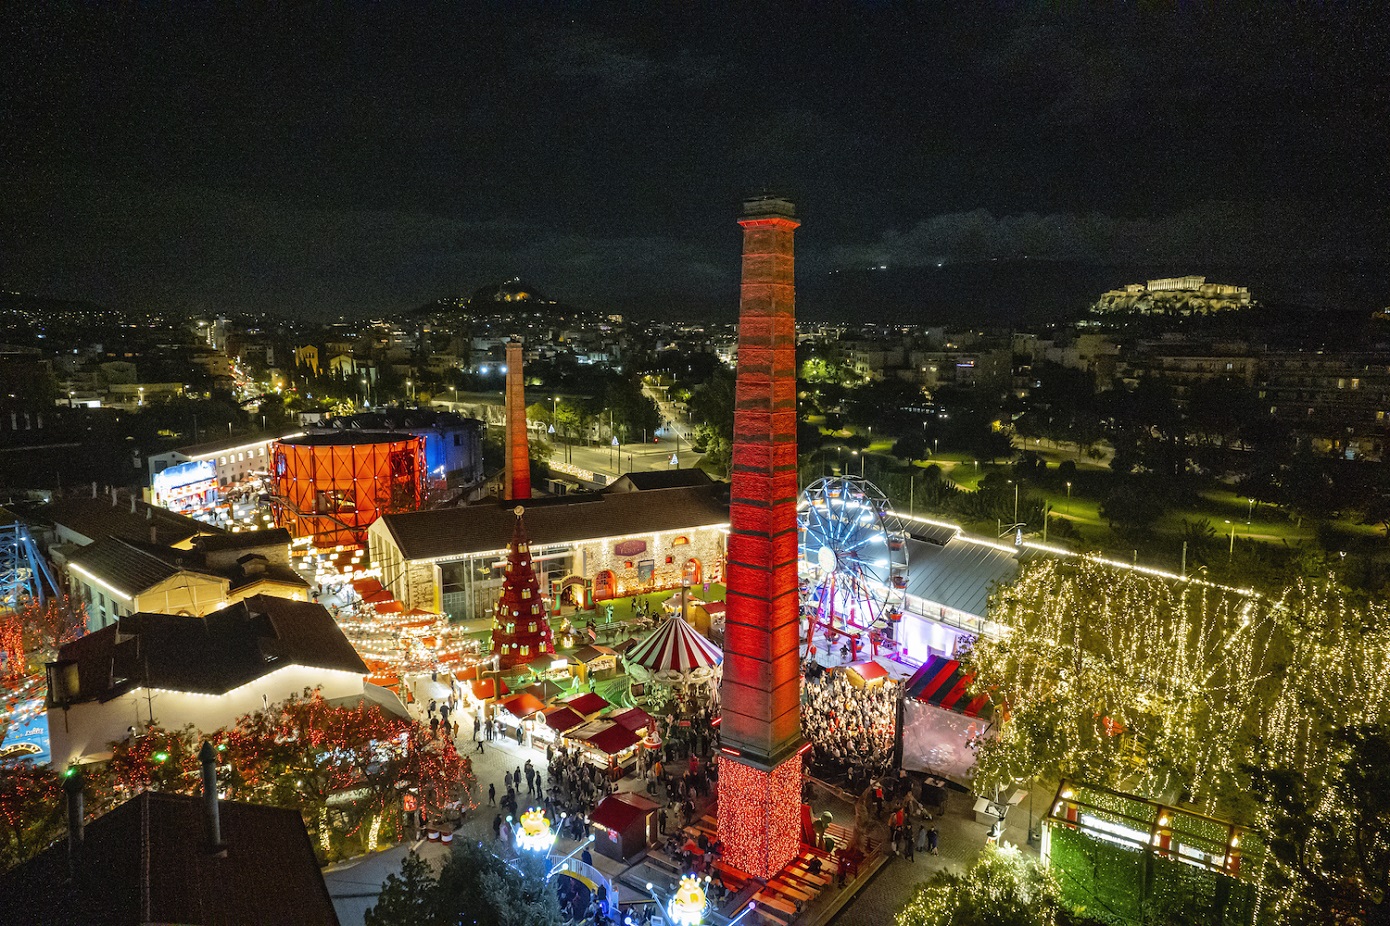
<point x="760" y="771"/>
<point x="518" y="466"/>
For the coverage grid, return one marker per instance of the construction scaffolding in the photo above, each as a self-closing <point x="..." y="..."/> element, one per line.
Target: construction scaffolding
<point x="332" y="487"/>
<point x="24" y="572"/>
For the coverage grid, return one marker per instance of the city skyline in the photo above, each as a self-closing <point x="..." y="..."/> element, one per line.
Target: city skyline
<point x="229" y="162"/>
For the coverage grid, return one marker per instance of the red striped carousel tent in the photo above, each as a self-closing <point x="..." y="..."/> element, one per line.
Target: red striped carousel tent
<point x="675" y="647"/>
<point x="942" y="683"/>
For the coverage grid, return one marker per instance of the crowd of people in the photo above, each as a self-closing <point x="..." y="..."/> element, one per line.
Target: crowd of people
<point x="851" y="729"/>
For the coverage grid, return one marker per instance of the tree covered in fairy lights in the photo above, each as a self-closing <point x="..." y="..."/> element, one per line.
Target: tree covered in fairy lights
<point x="31" y="633"/>
<point x="1002" y="888"/>
<point x="1125" y="679"/>
<point x="1177" y="691"/>
<point x="1328" y="830"/>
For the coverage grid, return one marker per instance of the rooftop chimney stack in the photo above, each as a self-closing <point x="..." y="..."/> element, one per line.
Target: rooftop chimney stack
<point x="211" y="816"/>
<point x="518" y="463"/>
<point x="72" y="786"/>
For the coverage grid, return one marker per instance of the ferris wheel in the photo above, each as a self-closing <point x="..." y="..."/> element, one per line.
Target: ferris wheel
<point x="853" y="562"/>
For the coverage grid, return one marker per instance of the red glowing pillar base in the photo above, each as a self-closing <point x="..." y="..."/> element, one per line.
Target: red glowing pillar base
<point x="760" y="815"/>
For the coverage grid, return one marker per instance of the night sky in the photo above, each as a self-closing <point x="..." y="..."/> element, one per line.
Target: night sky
<point x="307" y="161"/>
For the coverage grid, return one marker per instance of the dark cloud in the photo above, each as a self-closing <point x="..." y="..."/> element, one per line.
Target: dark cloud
<point x="1220" y="232"/>
<point x="306" y="160"/>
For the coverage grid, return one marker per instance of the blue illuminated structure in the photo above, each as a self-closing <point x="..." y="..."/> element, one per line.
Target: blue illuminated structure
<point x="23" y="570"/>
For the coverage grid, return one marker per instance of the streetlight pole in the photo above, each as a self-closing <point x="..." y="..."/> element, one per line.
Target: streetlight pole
<point x="1068" y="498"/>
<point x="1231" y="553"/>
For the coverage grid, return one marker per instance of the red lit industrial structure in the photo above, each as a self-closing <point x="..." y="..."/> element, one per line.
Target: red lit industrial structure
<point x="331" y="487"/>
<point x="761" y="719"/>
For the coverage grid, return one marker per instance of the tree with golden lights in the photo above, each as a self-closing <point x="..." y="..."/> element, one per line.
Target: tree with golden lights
<point x="1002" y="888"/>
<point x="1328" y="830"/>
<point x="1183" y="691"/>
<point x="1124" y="679"/>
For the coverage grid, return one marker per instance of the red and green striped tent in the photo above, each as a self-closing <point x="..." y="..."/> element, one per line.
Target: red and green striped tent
<point x="940" y="682"/>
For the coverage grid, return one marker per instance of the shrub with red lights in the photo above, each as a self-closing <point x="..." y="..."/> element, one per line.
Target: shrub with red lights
<point x="344" y="768"/>
<point x="31" y="810"/>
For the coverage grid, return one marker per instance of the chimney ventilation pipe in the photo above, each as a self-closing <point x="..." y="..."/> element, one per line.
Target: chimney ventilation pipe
<point x="211" y="817"/>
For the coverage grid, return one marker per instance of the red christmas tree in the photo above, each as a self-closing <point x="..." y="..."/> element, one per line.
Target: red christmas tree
<point x="520" y="631"/>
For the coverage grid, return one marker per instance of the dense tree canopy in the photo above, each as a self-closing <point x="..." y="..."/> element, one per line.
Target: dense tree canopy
<point x="476" y="886"/>
<point x="1328" y="829"/>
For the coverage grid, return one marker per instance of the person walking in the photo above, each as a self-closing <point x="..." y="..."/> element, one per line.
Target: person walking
<point x="507" y="780"/>
<point x="921" y="838"/>
<point x="492" y="795"/>
<point x="933" y="838"/>
<point x="909" y="844"/>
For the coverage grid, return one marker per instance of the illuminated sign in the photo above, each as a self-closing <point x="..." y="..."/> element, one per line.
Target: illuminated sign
<point x="534" y="834"/>
<point x="27" y="736"/>
<point x="687" y="906"/>
<point x="190" y="476"/>
<point x="630" y="547"/>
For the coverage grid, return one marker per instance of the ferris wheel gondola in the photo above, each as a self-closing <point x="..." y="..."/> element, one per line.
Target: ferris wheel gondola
<point x="853" y="555"/>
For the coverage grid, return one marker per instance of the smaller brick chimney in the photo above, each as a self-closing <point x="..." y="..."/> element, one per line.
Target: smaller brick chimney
<point x="518" y="464"/>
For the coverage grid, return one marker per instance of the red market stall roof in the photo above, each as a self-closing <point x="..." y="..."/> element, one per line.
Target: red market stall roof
<point x="561" y="719"/>
<point x="633" y="719"/>
<point x="483" y="690"/>
<point x="388" y="607"/>
<point x="378" y="596"/>
<point x="586" y="703"/>
<point x="367" y="586"/>
<point x="714" y="607"/>
<point x="614" y="813"/>
<point x="675" y="647"/>
<point x="613" y="739"/>
<point x="523" y="705"/>
<point x="940" y="682"/>
<point x="467" y="673"/>
<point x="869" y="671"/>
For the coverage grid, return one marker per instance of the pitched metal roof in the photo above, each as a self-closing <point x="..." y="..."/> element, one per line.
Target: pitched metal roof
<point x="959" y="575"/>
<point x="245" y="540"/>
<point x="447" y="533"/>
<point x="206" y="655"/>
<point x="129" y="566"/>
<point x="96" y="518"/>
<point x="659" y="479"/>
<point x="147" y="862"/>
